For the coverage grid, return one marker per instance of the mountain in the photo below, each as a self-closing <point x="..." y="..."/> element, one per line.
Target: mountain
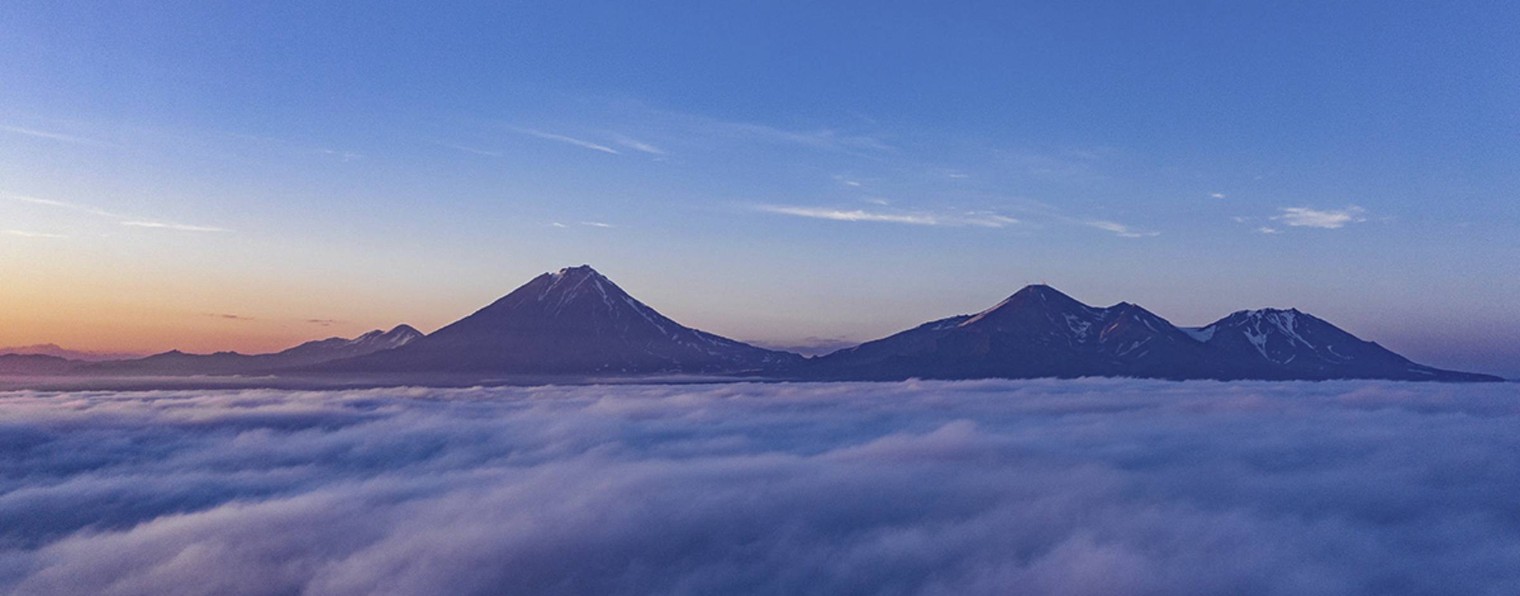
<point x="177" y="363"/>
<point x="334" y="348"/>
<point x="576" y="322"/>
<point x="1036" y="332"/>
<point x="1041" y="332"/>
<point x="571" y="322"/>
<point x="57" y="351"/>
<point x="1289" y="344"/>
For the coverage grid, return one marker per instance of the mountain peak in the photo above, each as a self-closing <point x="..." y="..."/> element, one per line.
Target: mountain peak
<point x="1286" y="319"/>
<point x="1266" y="312"/>
<point x="582" y="270"/>
<point x="1041" y="296"/>
<point x="572" y="321"/>
<point x="568" y="286"/>
<point x="1040" y="291"/>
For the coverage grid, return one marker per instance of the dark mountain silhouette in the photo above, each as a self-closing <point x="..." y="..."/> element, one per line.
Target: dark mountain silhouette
<point x="1040" y="332"/>
<point x="576" y="322"/>
<point x="176" y="363"/>
<point x="571" y="322"/>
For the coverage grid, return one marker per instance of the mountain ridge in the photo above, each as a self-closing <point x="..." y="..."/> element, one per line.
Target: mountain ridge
<point x="1042" y="332"/>
<point x="577" y="323"/>
<point x="176" y="362"/>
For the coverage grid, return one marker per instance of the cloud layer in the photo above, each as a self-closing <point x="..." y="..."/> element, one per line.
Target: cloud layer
<point x="1036" y="487"/>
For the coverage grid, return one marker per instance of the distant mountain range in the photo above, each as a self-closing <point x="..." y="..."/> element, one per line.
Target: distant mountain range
<point x="58" y="351"/>
<point x="177" y="363"/>
<point x="577" y="323"/>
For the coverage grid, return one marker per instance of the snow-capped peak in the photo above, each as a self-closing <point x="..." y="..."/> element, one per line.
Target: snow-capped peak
<point x="1286" y="322"/>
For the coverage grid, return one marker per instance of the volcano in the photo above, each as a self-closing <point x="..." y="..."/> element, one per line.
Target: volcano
<point x="571" y="322"/>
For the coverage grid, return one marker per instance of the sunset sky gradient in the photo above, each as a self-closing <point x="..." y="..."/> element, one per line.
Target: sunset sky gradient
<point x="237" y="176"/>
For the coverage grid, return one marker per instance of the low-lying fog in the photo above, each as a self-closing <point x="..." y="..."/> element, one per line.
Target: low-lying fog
<point x="989" y="487"/>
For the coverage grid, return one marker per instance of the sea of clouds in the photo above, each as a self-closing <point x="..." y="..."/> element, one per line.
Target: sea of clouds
<point x="989" y="487"/>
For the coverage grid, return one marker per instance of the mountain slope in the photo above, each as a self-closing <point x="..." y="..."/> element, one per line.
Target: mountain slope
<point x="574" y="321"/>
<point x="1040" y="332"/>
<point x="1289" y="344"/>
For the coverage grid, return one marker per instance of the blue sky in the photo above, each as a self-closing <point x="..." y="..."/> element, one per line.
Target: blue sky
<point x="774" y="171"/>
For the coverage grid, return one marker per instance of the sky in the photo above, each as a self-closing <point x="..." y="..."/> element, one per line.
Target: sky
<point x="234" y="176"/>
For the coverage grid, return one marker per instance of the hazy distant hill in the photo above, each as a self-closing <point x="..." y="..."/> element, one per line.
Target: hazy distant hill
<point x="58" y="351"/>
<point x="313" y="352"/>
<point x="35" y="364"/>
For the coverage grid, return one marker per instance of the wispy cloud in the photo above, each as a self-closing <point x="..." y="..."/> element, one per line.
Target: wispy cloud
<point x="826" y="139"/>
<point x="227" y="316"/>
<point x="1315" y="218"/>
<point x="52" y="136"/>
<point x="638" y="145"/>
<point x="974" y="218"/>
<point x="124" y="220"/>
<point x="344" y="156"/>
<point x="706" y="129"/>
<point x="851" y="215"/>
<point x="549" y="136"/>
<point x="1217" y="195"/>
<point x="468" y="149"/>
<point x="60" y="204"/>
<point x="172" y="226"/>
<point x="597" y="224"/>
<point x="323" y="322"/>
<point x="1121" y="230"/>
<point x="29" y="234"/>
<point x="1268" y="230"/>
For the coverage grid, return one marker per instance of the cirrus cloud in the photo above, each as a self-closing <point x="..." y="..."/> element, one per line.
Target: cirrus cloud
<point x="1121" y="230"/>
<point x="983" y="219"/>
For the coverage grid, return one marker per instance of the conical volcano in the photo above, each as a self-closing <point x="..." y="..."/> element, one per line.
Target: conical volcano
<point x="573" y="321"/>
